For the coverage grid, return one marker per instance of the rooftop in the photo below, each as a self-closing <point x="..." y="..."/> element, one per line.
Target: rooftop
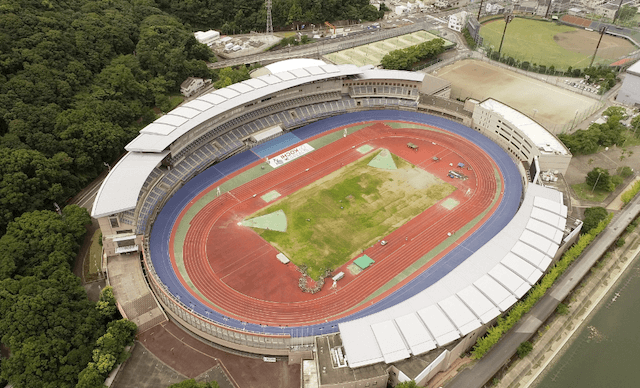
<point x="120" y="189"/>
<point x="544" y="140"/>
<point x="634" y="69"/>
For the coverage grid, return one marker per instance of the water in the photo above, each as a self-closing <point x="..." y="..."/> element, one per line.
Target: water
<point x="606" y="352"/>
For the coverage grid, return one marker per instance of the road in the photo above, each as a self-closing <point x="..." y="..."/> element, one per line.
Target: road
<point x="500" y="355"/>
<point x="325" y="46"/>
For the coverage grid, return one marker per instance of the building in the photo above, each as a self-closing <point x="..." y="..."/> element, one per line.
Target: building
<point x="191" y="85"/>
<point x="607" y="10"/>
<point x="457" y="21"/>
<point x="412" y="339"/>
<point x="494" y="9"/>
<point x="208" y="37"/>
<point x="629" y="93"/>
<point x="521" y="136"/>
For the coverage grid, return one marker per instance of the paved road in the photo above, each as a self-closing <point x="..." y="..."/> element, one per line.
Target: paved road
<point x="500" y="355"/>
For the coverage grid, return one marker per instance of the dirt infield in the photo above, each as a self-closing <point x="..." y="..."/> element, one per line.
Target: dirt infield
<point x="553" y="107"/>
<point x="584" y="42"/>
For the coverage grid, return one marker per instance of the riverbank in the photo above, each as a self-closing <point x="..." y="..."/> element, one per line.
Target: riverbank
<point x="552" y="340"/>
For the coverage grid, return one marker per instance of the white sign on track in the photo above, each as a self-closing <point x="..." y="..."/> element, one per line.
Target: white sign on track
<point x="290" y="155"/>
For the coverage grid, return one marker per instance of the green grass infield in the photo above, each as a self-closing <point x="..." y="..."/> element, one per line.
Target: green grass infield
<point x="335" y="218"/>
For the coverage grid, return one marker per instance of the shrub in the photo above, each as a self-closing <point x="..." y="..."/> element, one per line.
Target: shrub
<point x="620" y="242"/>
<point x="628" y="195"/>
<point x="625" y="172"/>
<point x="562" y="309"/>
<point x="524" y="349"/>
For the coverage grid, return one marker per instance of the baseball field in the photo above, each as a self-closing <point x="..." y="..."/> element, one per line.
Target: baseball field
<point x="547" y="43"/>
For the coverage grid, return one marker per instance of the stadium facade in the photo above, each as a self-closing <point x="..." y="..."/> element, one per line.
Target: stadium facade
<point x="435" y="323"/>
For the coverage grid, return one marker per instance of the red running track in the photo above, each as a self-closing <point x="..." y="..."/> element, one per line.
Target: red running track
<point x="236" y="271"/>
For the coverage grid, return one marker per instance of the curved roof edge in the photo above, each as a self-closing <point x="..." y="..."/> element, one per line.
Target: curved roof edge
<point x="543" y="139"/>
<point x="120" y="189"/>
<point x="160" y="134"/>
<point x="469" y="296"/>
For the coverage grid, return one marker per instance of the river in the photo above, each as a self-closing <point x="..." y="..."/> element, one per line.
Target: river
<point x="605" y="352"/>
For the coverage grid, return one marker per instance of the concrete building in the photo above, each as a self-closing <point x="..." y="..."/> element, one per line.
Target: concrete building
<point x="607" y="10"/>
<point x="457" y="21"/>
<point x="629" y="93"/>
<point x="414" y="338"/>
<point x="207" y="37"/>
<point x="191" y="85"/>
<point x="521" y="136"/>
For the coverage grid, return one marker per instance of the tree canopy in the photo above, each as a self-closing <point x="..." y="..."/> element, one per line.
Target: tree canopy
<point x="592" y="217"/>
<point x="77" y="81"/>
<point x="191" y="383"/>
<point x="234" y="17"/>
<point x="404" y="59"/>
<point x="607" y="134"/>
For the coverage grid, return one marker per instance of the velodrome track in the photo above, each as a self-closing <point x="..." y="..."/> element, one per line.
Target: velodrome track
<point x="503" y="212"/>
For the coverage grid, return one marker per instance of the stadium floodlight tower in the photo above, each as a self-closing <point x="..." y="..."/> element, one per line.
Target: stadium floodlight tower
<point x="507" y="19"/>
<point x="269" y="21"/>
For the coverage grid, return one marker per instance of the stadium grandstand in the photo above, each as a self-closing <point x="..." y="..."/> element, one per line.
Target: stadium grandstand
<point x="220" y="138"/>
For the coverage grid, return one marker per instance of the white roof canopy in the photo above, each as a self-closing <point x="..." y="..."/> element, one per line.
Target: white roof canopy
<point x="120" y="189"/>
<point x="488" y="282"/>
<point x="159" y="135"/>
<point x="543" y="140"/>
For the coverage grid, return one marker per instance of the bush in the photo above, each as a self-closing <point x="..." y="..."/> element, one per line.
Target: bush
<point x="524" y="349"/>
<point x="620" y="242"/>
<point x="625" y="172"/>
<point x="592" y="217"/>
<point x="468" y="38"/>
<point x="562" y="309"/>
<point x="628" y="195"/>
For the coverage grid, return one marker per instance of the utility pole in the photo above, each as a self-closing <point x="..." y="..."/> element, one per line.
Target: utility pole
<point x="546" y="15"/>
<point x="615" y="16"/>
<point x="269" y="21"/>
<point x="507" y="19"/>
<point x="602" y="30"/>
<point x="480" y="10"/>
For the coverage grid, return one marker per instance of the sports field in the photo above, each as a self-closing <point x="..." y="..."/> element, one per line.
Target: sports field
<point x="334" y="219"/>
<point x="547" y="43"/>
<point x="372" y="54"/>
<point x="551" y="106"/>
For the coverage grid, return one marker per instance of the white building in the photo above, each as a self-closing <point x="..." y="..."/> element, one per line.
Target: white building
<point x="629" y="93"/>
<point x="607" y="10"/>
<point x="191" y="85"/>
<point x="401" y="10"/>
<point x="515" y="132"/>
<point x="493" y="9"/>
<point x="457" y="21"/>
<point x="207" y="37"/>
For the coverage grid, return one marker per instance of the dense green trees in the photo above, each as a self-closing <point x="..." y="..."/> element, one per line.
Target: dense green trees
<point x="250" y="15"/>
<point x="45" y="317"/>
<point x="77" y="80"/>
<point x="404" y="59"/>
<point x="191" y="383"/>
<point x="592" y="217"/>
<point x="607" y="134"/>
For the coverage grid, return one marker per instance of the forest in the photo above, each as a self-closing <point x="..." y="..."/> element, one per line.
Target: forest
<point x="78" y="80"/>
<point x="244" y="16"/>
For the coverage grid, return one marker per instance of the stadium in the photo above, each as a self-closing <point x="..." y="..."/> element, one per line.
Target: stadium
<point x="333" y="207"/>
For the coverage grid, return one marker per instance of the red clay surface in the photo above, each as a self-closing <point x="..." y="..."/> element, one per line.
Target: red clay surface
<point x="235" y="268"/>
